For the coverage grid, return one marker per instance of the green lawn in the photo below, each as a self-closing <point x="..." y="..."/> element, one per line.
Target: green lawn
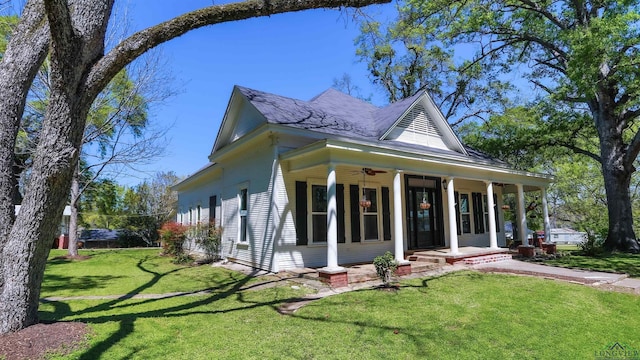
<point x="463" y="315"/>
<point x="607" y="262"/>
<point x="124" y="271"/>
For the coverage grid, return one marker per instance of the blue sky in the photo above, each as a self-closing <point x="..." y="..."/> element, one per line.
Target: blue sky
<point x="296" y="55"/>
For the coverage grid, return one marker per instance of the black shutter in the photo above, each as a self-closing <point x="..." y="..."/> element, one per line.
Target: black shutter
<point x="340" y="200"/>
<point x="386" y="214"/>
<point x="213" y="200"/>
<point x="478" y="213"/>
<point x="354" y="196"/>
<point x="457" y="196"/>
<point x="301" y="213"/>
<point x="481" y="218"/>
<point x="495" y="210"/>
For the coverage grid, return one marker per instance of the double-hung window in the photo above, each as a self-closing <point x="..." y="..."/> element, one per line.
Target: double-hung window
<point x="465" y="213"/>
<point x="318" y="213"/>
<point x="370" y="215"/>
<point x="243" y="212"/>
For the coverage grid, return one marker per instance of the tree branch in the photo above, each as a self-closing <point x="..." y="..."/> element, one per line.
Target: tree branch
<point x="138" y="43"/>
<point x="531" y="6"/>
<point x="632" y="150"/>
<point x="18" y="68"/>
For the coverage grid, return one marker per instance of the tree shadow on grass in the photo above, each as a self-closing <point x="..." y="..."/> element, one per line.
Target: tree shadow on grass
<point x="236" y="284"/>
<point x="57" y="283"/>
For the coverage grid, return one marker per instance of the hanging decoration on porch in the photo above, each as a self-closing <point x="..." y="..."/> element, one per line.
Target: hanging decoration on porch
<point x="424" y="205"/>
<point x="364" y="203"/>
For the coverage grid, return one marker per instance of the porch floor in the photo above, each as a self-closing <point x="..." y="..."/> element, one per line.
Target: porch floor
<point x="427" y="260"/>
<point x="357" y="273"/>
<point x="464" y="252"/>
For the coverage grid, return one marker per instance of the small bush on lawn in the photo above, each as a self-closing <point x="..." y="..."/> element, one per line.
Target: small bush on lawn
<point x="592" y="246"/>
<point x="172" y="236"/>
<point x="385" y="266"/>
<point x="207" y="237"/>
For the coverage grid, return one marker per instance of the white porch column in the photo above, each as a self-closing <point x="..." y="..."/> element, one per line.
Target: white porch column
<point x="493" y="238"/>
<point x="332" y="220"/>
<point x="522" y="216"/>
<point x="545" y="214"/>
<point x="453" y="228"/>
<point x="398" y="238"/>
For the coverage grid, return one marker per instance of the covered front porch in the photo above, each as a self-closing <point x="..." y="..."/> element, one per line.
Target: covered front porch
<point x="402" y="202"/>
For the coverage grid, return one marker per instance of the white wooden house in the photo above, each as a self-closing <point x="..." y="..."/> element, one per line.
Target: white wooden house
<point x="287" y="178"/>
<point x="567" y="236"/>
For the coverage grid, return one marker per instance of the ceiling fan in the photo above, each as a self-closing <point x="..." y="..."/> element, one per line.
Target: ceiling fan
<point x="372" y="172"/>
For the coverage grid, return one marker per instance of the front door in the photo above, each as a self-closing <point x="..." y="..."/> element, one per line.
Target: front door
<point x="424" y="223"/>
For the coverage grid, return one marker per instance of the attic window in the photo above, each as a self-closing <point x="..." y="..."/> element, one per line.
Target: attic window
<point x="417" y="121"/>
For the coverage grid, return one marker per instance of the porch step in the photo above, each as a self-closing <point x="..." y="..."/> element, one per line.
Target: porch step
<point x="417" y="267"/>
<point x="487" y="259"/>
<point x="425" y="259"/>
<point x="355" y="276"/>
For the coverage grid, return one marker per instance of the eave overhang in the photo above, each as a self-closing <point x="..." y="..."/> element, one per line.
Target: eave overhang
<point x="338" y="152"/>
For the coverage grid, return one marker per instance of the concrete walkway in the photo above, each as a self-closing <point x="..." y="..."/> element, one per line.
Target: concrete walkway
<point x="611" y="281"/>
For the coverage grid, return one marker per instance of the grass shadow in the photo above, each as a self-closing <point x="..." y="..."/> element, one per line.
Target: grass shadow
<point x="234" y="285"/>
<point x="56" y="283"/>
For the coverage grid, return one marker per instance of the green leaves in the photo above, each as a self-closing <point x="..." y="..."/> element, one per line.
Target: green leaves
<point x="7" y="23"/>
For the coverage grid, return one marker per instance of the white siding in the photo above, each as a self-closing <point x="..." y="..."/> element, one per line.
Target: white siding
<point x="253" y="170"/>
<point x="315" y="255"/>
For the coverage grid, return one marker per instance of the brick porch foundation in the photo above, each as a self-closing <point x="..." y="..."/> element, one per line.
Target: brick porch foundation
<point x="526" y="250"/>
<point x="403" y="269"/>
<point x="334" y="278"/>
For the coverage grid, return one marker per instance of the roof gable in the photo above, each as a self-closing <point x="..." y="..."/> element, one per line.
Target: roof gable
<point x="415" y="121"/>
<point x="239" y="119"/>
<point x="422" y="123"/>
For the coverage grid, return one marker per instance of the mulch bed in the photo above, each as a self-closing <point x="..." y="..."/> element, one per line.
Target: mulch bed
<point x="35" y="341"/>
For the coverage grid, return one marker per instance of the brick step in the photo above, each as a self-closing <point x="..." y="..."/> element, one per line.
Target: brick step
<point x="427" y="259"/>
<point x="416" y="267"/>
<point x="487" y="259"/>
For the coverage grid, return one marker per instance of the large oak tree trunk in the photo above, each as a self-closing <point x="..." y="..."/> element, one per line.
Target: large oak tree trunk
<point x="79" y="71"/>
<point x="617" y="171"/>
<point x="621" y="236"/>
<point x="76" y="43"/>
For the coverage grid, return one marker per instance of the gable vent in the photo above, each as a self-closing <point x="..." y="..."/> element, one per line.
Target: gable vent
<point x="418" y="122"/>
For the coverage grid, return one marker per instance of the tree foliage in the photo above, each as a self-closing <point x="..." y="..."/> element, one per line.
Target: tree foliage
<point x="404" y="58"/>
<point x="580" y="59"/>
<point x="149" y="205"/>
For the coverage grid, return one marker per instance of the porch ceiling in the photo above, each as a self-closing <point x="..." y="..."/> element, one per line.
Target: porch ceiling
<point x="324" y="152"/>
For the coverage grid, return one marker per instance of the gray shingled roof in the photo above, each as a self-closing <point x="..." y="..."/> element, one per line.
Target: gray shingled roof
<point x="330" y="112"/>
<point x="334" y="112"/>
